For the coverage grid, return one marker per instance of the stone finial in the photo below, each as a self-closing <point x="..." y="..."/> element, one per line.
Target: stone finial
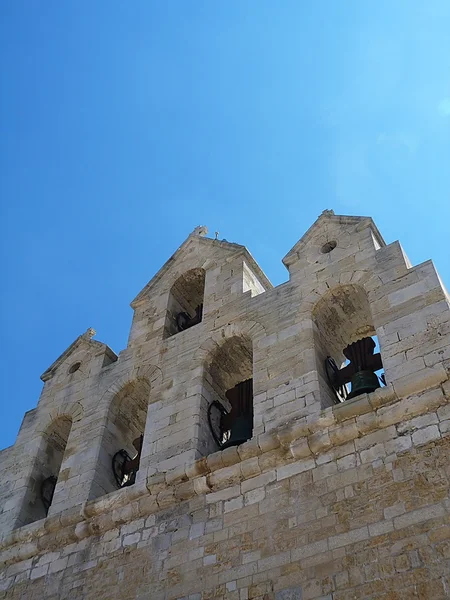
<point x="201" y="230"/>
<point x="89" y="333"/>
<point x="328" y="212"/>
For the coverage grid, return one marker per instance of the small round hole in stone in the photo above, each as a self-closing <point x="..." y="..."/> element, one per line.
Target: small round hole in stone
<point x="328" y="247"/>
<point x="74" y="367"/>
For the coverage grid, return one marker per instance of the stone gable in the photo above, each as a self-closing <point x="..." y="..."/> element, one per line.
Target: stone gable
<point x="125" y="481"/>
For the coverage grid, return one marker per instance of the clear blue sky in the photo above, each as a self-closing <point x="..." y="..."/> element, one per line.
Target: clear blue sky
<point x="123" y="125"/>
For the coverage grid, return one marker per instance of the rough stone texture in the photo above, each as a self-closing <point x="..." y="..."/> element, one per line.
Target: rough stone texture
<point x="324" y="502"/>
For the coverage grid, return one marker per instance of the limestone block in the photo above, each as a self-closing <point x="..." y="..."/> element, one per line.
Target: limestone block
<point x="147" y="504"/>
<point x="410" y="407"/>
<point x="250" y="467"/>
<point x="319" y="422"/>
<point x="377" y="437"/>
<point x="199" y="467"/>
<point x="344" y="539"/>
<point x="428" y="434"/>
<point x="344" y="432"/>
<point x="295" y="430"/>
<point x="259" y="481"/>
<point x="201" y="486"/>
<point x="166" y="498"/>
<point x="230" y="456"/>
<point x="352" y="408"/>
<point x="273" y="458"/>
<point x="156" y="483"/>
<point x="249" y="449"/>
<point x="319" y="442"/>
<point x="176" y="475"/>
<point x="185" y="490"/>
<point x="417" y="423"/>
<point x="268" y="441"/>
<point x="225" y="494"/>
<point x="295" y="468"/>
<point x="373" y="453"/>
<point x="228" y="476"/>
<point x="300" y="449"/>
<point x="418" y="516"/>
<point x="214" y="461"/>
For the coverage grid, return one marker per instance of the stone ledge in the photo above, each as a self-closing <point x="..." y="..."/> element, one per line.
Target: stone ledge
<point x="304" y="438"/>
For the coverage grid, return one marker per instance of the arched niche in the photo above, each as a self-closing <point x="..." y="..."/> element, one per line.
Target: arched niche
<point x="185" y="303"/>
<point x="46" y="470"/>
<point x="123" y="436"/>
<point x="228" y="383"/>
<point x="341" y="317"/>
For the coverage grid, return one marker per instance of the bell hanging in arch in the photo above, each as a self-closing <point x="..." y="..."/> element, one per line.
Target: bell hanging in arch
<point x="236" y="426"/>
<point x="241" y="431"/>
<point x="364" y="362"/>
<point x="363" y="382"/>
<point x="360" y="372"/>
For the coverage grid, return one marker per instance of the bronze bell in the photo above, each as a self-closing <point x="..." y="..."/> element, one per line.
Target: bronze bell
<point x="47" y="491"/>
<point x="236" y="426"/>
<point x="124" y="467"/>
<point x="360" y="371"/>
<point x="185" y="321"/>
<point x="363" y="382"/>
<point x="240" y="432"/>
<point x="363" y="363"/>
<point x="239" y="421"/>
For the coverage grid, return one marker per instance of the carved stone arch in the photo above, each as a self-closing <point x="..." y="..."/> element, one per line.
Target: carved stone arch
<point x="150" y="373"/>
<point x="124" y="406"/>
<point x="227" y="364"/>
<point x="341" y="305"/>
<point x="359" y="277"/>
<point x="67" y="410"/>
<point x="206" y="265"/>
<point x="73" y="410"/>
<point x="185" y="300"/>
<point x="251" y="329"/>
<point x="340" y="316"/>
<point x="335" y="280"/>
<point x="47" y="450"/>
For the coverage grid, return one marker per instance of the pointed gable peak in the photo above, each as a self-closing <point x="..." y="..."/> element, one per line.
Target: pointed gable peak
<point x="84" y="338"/>
<point x="322" y="223"/>
<point x="197" y="239"/>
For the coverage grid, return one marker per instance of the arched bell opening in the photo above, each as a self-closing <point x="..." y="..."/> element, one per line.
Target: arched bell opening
<point x="46" y="470"/>
<point x="348" y="358"/>
<point x="185" y="304"/>
<point x="121" y="446"/>
<point x="228" y="390"/>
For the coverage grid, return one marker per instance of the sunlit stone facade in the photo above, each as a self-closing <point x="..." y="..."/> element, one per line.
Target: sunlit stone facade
<point x="326" y="500"/>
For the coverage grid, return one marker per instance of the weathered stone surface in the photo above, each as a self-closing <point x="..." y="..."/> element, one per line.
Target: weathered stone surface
<point x="290" y="594"/>
<point x="325" y="501"/>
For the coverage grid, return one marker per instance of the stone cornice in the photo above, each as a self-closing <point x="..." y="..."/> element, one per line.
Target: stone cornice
<point x="280" y="450"/>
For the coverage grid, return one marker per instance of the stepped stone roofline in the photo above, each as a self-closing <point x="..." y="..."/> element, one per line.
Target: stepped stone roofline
<point x="329" y="216"/>
<point x="83" y="338"/>
<point x="281" y="515"/>
<point x="194" y="237"/>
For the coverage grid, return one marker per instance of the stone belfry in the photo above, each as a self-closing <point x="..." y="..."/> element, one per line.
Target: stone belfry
<point x="250" y="442"/>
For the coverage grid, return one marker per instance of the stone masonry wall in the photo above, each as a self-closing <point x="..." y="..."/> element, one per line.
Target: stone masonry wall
<point x="353" y="505"/>
<point x="323" y="503"/>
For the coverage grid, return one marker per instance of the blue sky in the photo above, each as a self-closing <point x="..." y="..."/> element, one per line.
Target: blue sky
<point x="123" y="125"/>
